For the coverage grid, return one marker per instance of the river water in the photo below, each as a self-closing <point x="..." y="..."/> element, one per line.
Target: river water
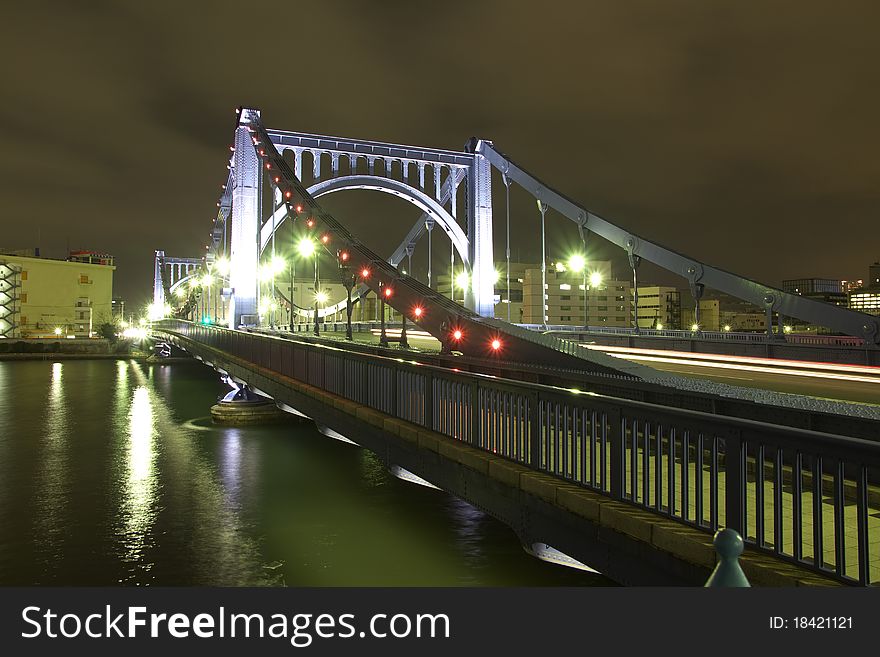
<point x="112" y="473"/>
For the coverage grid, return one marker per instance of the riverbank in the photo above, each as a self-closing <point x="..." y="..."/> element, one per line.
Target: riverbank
<point x="139" y="356"/>
<point x="46" y="349"/>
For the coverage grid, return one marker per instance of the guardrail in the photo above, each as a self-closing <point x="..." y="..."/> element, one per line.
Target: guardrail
<point x="804" y="496"/>
<point x="724" y="336"/>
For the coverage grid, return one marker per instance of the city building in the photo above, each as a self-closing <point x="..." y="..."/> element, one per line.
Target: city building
<point x="710" y="315"/>
<point x="56" y="297"/>
<point x="659" y="307"/>
<point x="10" y="299"/>
<point x="733" y="320"/>
<point x="866" y="298"/>
<point x="608" y="301"/>
<point x="820" y="289"/>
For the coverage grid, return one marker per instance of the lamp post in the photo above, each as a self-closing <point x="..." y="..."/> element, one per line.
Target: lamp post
<point x="307" y="249"/>
<point x="595" y="280"/>
<point x="578" y="263"/>
<point x="348" y="281"/>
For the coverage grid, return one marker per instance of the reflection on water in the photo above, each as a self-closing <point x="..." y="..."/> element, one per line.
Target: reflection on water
<point x="51" y="499"/>
<point x="143" y="491"/>
<point x="138" y="508"/>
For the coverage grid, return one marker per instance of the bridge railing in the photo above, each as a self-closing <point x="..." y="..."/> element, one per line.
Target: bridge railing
<point x="711" y="336"/>
<point x="804" y="496"/>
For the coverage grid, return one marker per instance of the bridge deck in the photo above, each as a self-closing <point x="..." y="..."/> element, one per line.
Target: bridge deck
<point x="785" y="489"/>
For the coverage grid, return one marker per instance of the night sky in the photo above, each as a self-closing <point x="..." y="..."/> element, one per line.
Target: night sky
<point x="742" y="133"/>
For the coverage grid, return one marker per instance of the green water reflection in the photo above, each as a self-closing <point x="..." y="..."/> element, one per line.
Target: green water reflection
<point x="111" y="472"/>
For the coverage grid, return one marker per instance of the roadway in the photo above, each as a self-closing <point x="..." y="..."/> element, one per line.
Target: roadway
<point x="852" y="383"/>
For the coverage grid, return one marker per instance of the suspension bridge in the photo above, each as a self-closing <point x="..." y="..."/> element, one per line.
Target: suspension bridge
<point x="590" y="458"/>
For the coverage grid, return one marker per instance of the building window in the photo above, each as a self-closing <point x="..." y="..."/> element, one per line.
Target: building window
<point x="564" y="307"/>
<point x="620" y="319"/>
<point x="564" y="286"/>
<point x="24" y="297"/>
<point x="565" y="297"/>
<point x="24" y="274"/>
<point x="83" y="278"/>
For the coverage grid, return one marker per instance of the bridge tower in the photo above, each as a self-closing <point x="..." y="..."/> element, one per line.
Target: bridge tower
<point x="244" y="255"/>
<point x="481" y="293"/>
<point x="158" y="286"/>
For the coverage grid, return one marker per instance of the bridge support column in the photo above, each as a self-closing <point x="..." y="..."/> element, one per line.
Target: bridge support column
<point x="244" y="254"/>
<point x="480" y="295"/>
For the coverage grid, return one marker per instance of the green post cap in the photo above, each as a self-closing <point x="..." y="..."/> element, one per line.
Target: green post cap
<point x="729" y="545"/>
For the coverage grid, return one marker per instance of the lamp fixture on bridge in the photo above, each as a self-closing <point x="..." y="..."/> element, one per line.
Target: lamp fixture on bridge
<point x="343" y="256"/>
<point x="310" y="222"/>
<point x="495" y="344"/>
<point x="325" y="238"/>
<point x="388" y="292"/>
<point x="417" y="311"/>
<point x="457" y="335"/>
<point x="365" y="273"/>
<point x="306" y="247"/>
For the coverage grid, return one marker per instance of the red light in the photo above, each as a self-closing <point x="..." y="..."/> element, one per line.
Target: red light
<point x="417" y="311"/>
<point x="496" y="344"/>
<point x="268" y="166"/>
<point x="343" y="256"/>
<point x="288" y="194"/>
<point x="365" y="273"/>
<point x="388" y="292"/>
<point x="325" y="238"/>
<point x="309" y="222"/>
<point x="277" y="179"/>
<point x="261" y="150"/>
<point x="457" y="334"/>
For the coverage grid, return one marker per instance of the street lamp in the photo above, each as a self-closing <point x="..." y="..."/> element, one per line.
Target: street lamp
<point x="307" y="249"/>
<point x="578" y="263"/>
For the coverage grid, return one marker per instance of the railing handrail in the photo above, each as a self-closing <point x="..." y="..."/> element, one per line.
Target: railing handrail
<point x="818" y="437"/>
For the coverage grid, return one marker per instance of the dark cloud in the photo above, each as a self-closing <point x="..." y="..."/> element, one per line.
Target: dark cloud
<point x="744" y="134"/>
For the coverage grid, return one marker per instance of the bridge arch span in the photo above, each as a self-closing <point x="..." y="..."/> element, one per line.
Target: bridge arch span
<point x="410" y="194"/>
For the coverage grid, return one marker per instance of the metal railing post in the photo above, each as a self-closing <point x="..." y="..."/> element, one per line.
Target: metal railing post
<point x="734" y="478"/>
<point x="616" y="449"/>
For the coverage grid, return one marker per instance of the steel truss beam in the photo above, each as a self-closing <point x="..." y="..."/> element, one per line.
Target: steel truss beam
<point x="697" y="274"/>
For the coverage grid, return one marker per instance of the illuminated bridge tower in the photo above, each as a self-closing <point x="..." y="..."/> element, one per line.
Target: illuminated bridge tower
<point x="481" y="292"/>
<point x="244" y="255"/>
